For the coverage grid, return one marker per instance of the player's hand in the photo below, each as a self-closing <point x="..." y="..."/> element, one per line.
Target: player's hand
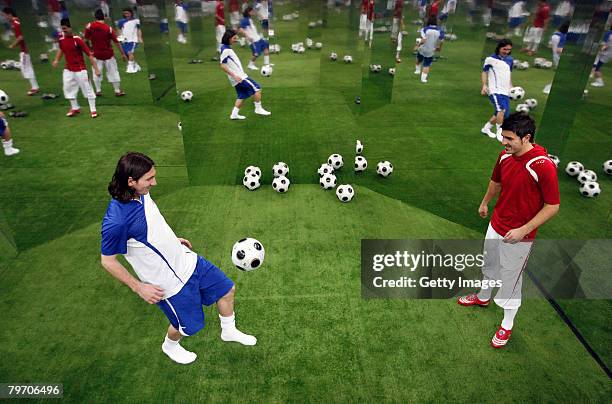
<point x="484" y="90"/>
<point x="185" y="242"/>
<point x="483" y="210"/>
<point x="12" y="45"/>
<point x="54" y="63"/>
<point x="1" y="114"/>
<point x="98" y="73"/>
<point x="124" y="57"/>
<point x="150" y="293"/>
<point x="515" y="235"/>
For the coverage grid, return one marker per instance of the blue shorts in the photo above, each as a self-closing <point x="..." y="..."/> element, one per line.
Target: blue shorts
<point x="163" y="27"/>
<point x="515" y="22"/>
<point x="258" y="47"/>
<point x="427" y="61"/>
<point x="182" y="26"/>
<point x="3" y="126"/>
<point x="265" y="24"/>
<point x="443" y="16"/>
<point x="206" y="285"/>
<point x="129" y="47"/>
<point x="597" y="65"/>
<point x="246" y="88"/>
<point x="501" y="103"/>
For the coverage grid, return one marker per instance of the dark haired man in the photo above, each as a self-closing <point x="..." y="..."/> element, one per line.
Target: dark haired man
<point x="171" y="274"/>
<point x="132" y="36"/>
<point x="496" y="83"/>
<point x="431" y="39"/>
<point x="101" y="35"/>
<point x="533" y="34"/>
<point x="257" y="43"/>
<point x="526" y="181"/>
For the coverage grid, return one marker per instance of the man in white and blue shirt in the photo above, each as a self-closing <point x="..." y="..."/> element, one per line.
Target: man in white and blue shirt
<point x="169" y="273"/>
<point x="257" y="43"/>
<point x="431" y="35"/>
<point x="496" y="80"/>
<point x="132" y="36"/>
<point x="245" y="86"/>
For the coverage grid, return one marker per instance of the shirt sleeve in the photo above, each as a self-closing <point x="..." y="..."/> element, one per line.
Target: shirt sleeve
<point x="84" y="46"/>
<point x="17" y="28"/>
<point x="121" y="23"/>
<point x="548" y="182"/>
<point x="442" y="35"/>
<point x="87" y="32"/>
<point x="114" y="236"/>
<point x="496" y="175"/>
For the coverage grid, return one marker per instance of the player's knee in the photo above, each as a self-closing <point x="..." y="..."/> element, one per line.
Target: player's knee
<point x="230" y="294"/>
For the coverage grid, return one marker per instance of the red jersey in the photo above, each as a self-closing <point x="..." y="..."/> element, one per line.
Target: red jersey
<point x="54" y="6"/>
<point x="435" y="8"/>
<point x="17" y="29"/>
<point x="365" y="4"/>
<point x="527" y="183"/>
<point x="220" y="14"/>
<point x="371" y="10"/>
<point x="234" y="6"/>
<point x="541" y="15"/>
<point x="399" y="6"/>
<point x="101" y="35"/>
<point x="73" y="48"/>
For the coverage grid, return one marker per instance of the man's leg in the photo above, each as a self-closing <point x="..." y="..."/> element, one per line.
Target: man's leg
<point x="173" y="348"/>
<point x="98" y="79"/>
<point x="71" y="88"/>
<point x="236" y="110"/>
<point x="112" y="74"/>
<point x="87" y="92"/>
<point x="257" y="101"/>
<point x="229" y="332"/>
<point x="7" y="141"/>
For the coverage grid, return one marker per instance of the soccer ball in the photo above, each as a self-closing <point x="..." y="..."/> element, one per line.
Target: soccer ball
<point x="574" y="168"/>
<point x="531" y="103"/>
<point x="248" y="254"/>
<point x="180" y="125"/>
<point x="359" y="147"/>
<point x="266" y="70"/>
<point x="333" y="56"/>
<point x="392" y="71"/>
<point x="335" y="160"/>
<point x="384" y="168"/>
<point x="312" y="24"/>
<point x="348" y="59"/>
<point x="4" y="65"/>
<point x="524" y="65"/>
<point x="309" y="43"/>
<point x="281" y="184"/>
<point x="607" y="167"/>
<point x="554" y="159"/>
<point x="517" y="93"/>
<point x="318" y="45"/>
<point x="538" y="62"/>
<point x="280" y="169"/>
<point x="325" y="169"/>
<point x="17" y="65"/>
<point x="590" y="189"/>
<point x="4" y="98"/>
<point x="522" y="108"/>
<point x="327" y="181"/>
<point x="360" y="164"/>
<point x="417" y="41"/>
<point x="548" y="64"/>
<point x="301" y="49"/>
<point x="186" y="95"/>
<point x="252" y="170"/>
<point x="587" y="176"/>
<point x="251" y="182"/>
<point x="345" y="193"/>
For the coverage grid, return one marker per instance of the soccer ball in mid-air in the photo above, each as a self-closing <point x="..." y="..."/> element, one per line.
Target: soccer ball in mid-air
<point x="517" y="93"/>
<point x="531" y="103"/>
<point x="248" y="254"/>
<point x="590" y="189"/>
<point x="554" y="159"/>
<point x="384" y="168"/>
<point x="522" y="108"/>
<point x="574" y="168"/>
<point x="392" y="71"/>
<point x="281" y="184"/>
<point x="335" y="160"/>
<point x="325" y="169"/>
<point x="186" y="95"/>
<point x="348" y="59"/>
<point x="280" y="169"/>
<point x="607" y="167"/>
<point x="252" y="170"/>
<point x="251" y="182"/>
<point x="4" y="98"/>
<point x="359" y="147"/>
<point x="345" y="193"/>
<point x="587" y="176"/>
<point x="327" y="181"/>
<point x="266" y="70"/>
<point x="360" y="164"/>
<point x="333" y="56"/>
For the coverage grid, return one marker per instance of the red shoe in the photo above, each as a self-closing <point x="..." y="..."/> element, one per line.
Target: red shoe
<point x="73" y="112"/>
<point x="501" y="337"/>
<point x="119" y="94"/>
<point x="94" y="114"/>
<point x="473" y="300"/>
<point x="34" y="91"/>
<point x="98" y="93"/>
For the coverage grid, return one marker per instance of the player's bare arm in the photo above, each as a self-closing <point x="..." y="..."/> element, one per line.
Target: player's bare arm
<point x="544" y="215"/>
<point x="483" y="78"/>
<point x="58" y="57"/>
<point x="492" y="191"/>
<point x="94" y="65"/>
<point x="185" y="242"/>
<point x="149" y="293"/>
<point x="228" y="71"/>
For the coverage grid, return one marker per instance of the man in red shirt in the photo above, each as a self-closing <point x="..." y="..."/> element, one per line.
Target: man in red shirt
<point x="219" y="23"/>
<point x="75" y="71"/>
<point x="533" y="35"/>
<point x="397" y="18"/>
<point x="434" y="9"/>
<point x="363" y="18"/>
<point x="369" y="33"/>
<point x="27" y="71"/>
<point x="526" y="181"/>
<point x="101" y="37"/>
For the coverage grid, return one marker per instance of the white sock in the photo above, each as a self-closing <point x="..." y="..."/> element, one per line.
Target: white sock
<point x="488" y="126"/>
<point x="92" y="104"/>
<point x="235" y="111"/>
<point x="131" y="63"/>
<point x="117" y="86"/>
<point x="266" y="59"/>
<point x="97" y="80"/>
<point x="508" y="321"/>
<point x="176" y="352"/>
<point x="34" y="84"/>
<point x="423" y="76"/>
<point x="498" y="128"/>
<point x="73" y="103"/>
<point x="7" y="144"/>
<point x="257" y="104"/>
<point x="229" y="332"/>
<point x="417" y="69"/>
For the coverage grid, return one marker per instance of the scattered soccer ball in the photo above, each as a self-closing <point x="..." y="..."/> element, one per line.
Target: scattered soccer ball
<point x="348" y="59"/>
<point x="318" y="45"/>
<point x="266" y="70"/>
<point x="345" y="193"/>
<point x="301" y="49"/>
<point x="252" y="170"/>
<point x="452" y="37"/>
<point x="524" y="65"/>
<point x="375" y="68"/>
<point x="248" y="254"/>
<point x="312" y="24"/>
<point x="17" y="65"/>
<point x="607" y="167"/>
<point x="186" y="95"/>
<point x="309" y="43"/>
<point x="325" y="169"/>
<point x="4" y="98"/>
<point x="574" y="168"/>
<point x="384" y="168"/>
<point x="538" y="62"/>
<point x="281" y="184"/>
<point x="587" y="176"/>
<point x="522" y="108"/>
<point x="547" y="65"/>
<point x="280" y="169"/>
<point x="517" y="93"/>
<point x="333" y="56"/>
<point x="360" y="164"/>
<point x="251" y="182"/>
<point x="180" y="125"/>
<point x="359" y="147"/>
<point x="590" y="189"/>
<point x="392" y="71"/>
<point x="531" y="103"/>
<point x="335" y="160"/>
<point x="554" y="159"/>
<point x="327" y="181"/>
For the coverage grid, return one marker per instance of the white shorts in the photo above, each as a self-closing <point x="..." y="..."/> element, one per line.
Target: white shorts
<point x="235" y="18"/>
<point x="533" y="35"/>
<point x="112" y="71"/>
<point x="219" y="31"/>
<point x="505" y="262"/>
<point x="27" y="71"/>
<point x="363" y="20"/>
<point x="75" y="80"/>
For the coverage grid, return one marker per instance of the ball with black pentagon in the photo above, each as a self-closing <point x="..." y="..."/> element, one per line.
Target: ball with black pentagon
<point x="345" y="193"/>
<point x="248" y="254"/>
<point x="251" y="182"/>
<point x="327" y="181"/>
<point x="590" y="189"/>
<point x="360" y="164"/>
<point x="281" y="184"/>
<point x="384" y="168"/>
<point x="280" y="169"/>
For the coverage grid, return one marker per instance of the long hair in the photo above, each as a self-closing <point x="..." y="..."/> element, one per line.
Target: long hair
<point x="227" y="36"/>
<point x="247" y="11"/>
<point x="501" y="44"/>
<point x="131" y="164"/>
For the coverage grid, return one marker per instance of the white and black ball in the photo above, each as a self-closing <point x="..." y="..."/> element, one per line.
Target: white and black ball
<point x="607" y="167"/>
<point x="574" y="168"/>
<point x="281" y="184"/>
<point x="587" y="176"/>
<point x="335" y="160"/>
<point x="554" y="159"/>
<point x="360" y="164"/>
<point x="327" y="181"/>
<point x="252" y="170"/>
<point x="345" y="193"/>
<point x="251" y="182"/>
<point x="280" y="169"/>
<point x="590" y="189"/>
<point x="384" y="168"/>
<point x="325" y="169"/>
<point x="248" y="254"/>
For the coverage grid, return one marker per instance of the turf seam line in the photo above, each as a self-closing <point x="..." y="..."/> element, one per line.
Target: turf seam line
<point x="571" y="325"/>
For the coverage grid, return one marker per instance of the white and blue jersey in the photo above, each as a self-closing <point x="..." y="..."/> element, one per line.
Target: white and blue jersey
<point x="499" y="70"/>
<point x="247" y="86"/>
<point x="516" y="14"/>
<point x="181" y="17"/>
<point x="129" y="29"/>
<point x="250" y="31"/>
<point x="557" y="41"/>
<point x="430" y="36"/>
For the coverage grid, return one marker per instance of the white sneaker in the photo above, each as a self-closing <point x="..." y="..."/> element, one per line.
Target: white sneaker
<point x="423" y="80"/>
<point x="11" y="151"/>
<point x="489" y="133"/>
<point x="137" y="68"/>
<point x="178" y="354"/>
<point x="130" y="69"/>
<point x="236" y="335"/>
<point x="261" y="111"/>
<point x="417" y="71"/>
<point x="252" y="67"/>
<point x="237" y="117"/>
<point x="597" y="83"/>
<point x="546" y="89"/>
<point x="499" y="136"/>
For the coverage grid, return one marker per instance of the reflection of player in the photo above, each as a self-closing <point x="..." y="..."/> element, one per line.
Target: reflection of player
<point x="557" y="42"/>
<point x="5" y="134"/>
<point x="533" y="35"/>
<point x="363" y="18"/>
<point x="75" y="72"/>
<point x="397" y="18"/>
<point x="261" y="7"/>
<point x="257" y="43"/>
<point x="369" y="31"/>
<point x="526" y="181"/>
<point x="171" y="274"/>
<point x="430" y="36"/>
<point x="602" y="57"/>
<point x="27" y="70"/>
<point x="496" y="83"/>
<point x="422" y="9"/>
<point x="516" y="16"/>
<point x="182" y="19"/>
<point x="245" y="87"/>
<point x="563" y="11"/>
<point x="101" y="35"/>
<point x="219" y="23"/>
<point x="130" y="29"/>
<point x="234" y="14"/>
